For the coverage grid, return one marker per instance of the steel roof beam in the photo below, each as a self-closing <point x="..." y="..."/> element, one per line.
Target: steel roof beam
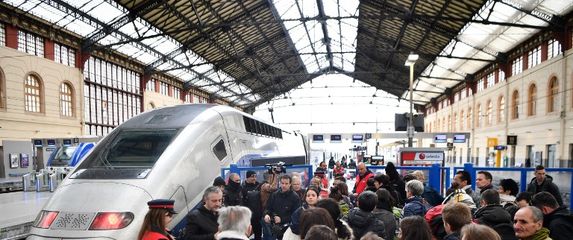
<point x="142" y="8"/>
<point x="326" y="38"/>
<point x="78" y="14"/>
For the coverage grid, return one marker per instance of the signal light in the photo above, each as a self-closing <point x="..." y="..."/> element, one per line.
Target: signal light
<point x="111" y="220"/>
<point x="45" y="219"/>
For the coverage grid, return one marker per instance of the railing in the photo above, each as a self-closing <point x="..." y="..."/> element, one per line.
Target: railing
<point x="523" y="175"/>
<point x="305" y="172"/>
<point x="44" y="180"/>
<point x="437" y="177"/>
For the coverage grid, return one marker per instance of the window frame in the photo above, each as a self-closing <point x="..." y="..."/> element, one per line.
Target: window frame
<point x="500" y="109"/>
<point x="38" y="99"/>
<point x="552" y="94"/>
<point x="532" y="100"/>
<point x="515" y="105"/>
<point x="71" y="102"/>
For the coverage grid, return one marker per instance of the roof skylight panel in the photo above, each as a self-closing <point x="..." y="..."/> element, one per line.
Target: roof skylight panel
<point x="105" y="12"/>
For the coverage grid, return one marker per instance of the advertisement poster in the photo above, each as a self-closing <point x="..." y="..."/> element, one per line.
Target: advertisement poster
<point x="14" y="160"/>
<point x="24" y="160"/>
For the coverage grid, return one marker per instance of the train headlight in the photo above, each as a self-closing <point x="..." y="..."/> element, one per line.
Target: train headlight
<point x="45" y="219"/>
<point x="111" y="220"/>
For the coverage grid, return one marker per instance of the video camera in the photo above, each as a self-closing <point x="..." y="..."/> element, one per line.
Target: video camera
<point x="276" y="168"/>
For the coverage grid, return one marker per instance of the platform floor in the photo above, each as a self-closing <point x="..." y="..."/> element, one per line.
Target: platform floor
<point x="21" y="207"/>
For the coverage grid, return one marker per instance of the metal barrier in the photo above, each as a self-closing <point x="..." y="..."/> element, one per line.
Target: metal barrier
<point x="305" y="171"/>
<point x="523" y="177"/>
<point x="26" y="181"/>
<point x="437" y="177"/>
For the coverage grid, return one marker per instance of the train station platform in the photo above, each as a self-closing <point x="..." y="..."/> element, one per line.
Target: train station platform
<point x="18" y="212"/>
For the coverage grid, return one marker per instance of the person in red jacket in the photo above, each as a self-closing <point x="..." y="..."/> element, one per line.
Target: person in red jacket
<point x="363" y="175"/>
<point x="155" y="223"/>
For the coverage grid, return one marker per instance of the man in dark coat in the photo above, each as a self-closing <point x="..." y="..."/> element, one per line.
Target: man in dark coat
<point x="233" y="194"/>
<point x="202" y="222"/>
<point x="362" y="220"/>
<point x="483" y="181"/>
<point x="556" y="218"/>
<point x="250" y="183"/>
<point x="492" y="214"/>
<point x="282" y="204"/>
<point x="544" y="183"/>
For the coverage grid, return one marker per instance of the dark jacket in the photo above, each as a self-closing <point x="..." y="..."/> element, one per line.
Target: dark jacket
<point x="253" y="202"/>
<point x="559" y="223"/>
<point x="282" y="204"/>
<point x="201" y="224"/>
<point x="481" y="190"/>
<point x="432" y="196"/>
<point x="496" y="217"/>
<point x="295" y="219"/>
<point x="415" y="207"/>
<point x="492" y="215"/>
<point x="453" y="236"/>
<point x="389" y="221"/>
<point x="363" y="222"/>
<point x="233" y="194"/>
<point x="248" y="187"/>
<point x="546" y="186"/>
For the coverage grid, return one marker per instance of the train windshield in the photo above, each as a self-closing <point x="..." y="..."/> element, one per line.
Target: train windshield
<point x="63" y="156"/>
<point x="129" y="154"/>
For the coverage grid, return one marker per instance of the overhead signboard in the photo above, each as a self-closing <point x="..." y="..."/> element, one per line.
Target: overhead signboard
<point x="440" y="138"/>
<point x="459" y="138"/>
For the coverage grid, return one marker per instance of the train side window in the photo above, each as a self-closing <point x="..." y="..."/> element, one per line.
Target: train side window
<point x="219" y="150"/>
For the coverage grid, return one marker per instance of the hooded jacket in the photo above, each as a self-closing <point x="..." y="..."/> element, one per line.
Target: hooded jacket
<point x="496" y="217"/>
<point x="389" y="221"/>
<point x="492" y="215"/>
<point x="560" y="223"/>
<point x="363" y="222"/>
<point x="546" y="186"/>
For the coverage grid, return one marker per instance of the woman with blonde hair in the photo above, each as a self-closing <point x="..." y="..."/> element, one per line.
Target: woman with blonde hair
<point x="478" y="232"/>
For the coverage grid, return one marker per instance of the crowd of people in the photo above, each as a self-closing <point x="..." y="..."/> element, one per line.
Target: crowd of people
<point x="379" y="206"/>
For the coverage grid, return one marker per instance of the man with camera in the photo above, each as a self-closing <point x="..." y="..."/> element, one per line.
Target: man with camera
<point x="280" y="207"/>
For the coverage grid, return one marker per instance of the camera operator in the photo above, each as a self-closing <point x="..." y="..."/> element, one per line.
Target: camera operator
<point x="281" y="206"/>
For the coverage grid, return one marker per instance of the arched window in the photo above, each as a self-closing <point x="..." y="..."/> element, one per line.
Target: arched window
<point x="532" y="100"/>
<point x="515" y="105"/>
<point x="500" y="109"/>
<point x="479" y="116"/>
<point x="552" y="95"/>
<point x="33" y="94"/>
<point x="66" y="100"/>
<point x="469" y="119"/>
<point x="489" y="120"/>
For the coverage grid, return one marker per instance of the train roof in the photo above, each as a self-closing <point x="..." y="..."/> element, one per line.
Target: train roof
<point x="174" y="117"/>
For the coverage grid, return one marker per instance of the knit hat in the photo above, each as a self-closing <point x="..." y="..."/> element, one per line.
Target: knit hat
<point x="250" y="173"/>
<point x="219" y="181"/>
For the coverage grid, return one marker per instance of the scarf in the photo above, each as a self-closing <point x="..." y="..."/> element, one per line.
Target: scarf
<point x="542" y="234"/>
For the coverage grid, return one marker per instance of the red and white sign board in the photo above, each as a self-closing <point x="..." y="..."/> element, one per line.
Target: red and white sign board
<point x="421" y="157"/>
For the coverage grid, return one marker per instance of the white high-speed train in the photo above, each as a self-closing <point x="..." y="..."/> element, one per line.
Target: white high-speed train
<point x="172" y="152"/>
